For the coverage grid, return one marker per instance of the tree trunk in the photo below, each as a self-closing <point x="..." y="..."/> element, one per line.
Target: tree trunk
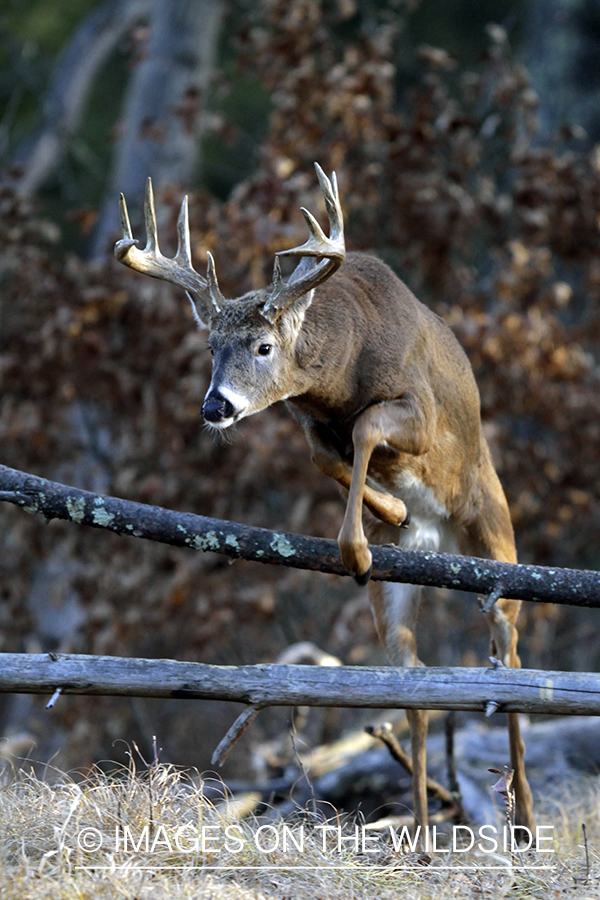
<point x="161" y="122"/>
<point x="64" y="105"/>
<point x="563" y="58"/>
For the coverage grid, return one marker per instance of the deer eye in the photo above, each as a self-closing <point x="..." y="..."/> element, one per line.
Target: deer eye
<point x="264" y="349"/>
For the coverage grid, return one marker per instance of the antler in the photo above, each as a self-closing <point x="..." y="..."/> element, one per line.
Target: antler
<point x="331" y="251"/>
<point x="178" y="270"/>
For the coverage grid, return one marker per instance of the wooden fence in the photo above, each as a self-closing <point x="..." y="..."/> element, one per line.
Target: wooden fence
<point x="259" y="686"/>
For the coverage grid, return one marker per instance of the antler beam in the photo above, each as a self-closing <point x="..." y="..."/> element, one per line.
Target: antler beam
<point x="179" y="270"/>
<point x="330" y="251"/>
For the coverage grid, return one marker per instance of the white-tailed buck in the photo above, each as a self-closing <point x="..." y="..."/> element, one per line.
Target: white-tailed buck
<point x="390" y="408"/>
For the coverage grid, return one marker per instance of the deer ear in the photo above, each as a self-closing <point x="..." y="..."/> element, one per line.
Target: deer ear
<point x="290" y="320"/>
<point x="199" y="311"/>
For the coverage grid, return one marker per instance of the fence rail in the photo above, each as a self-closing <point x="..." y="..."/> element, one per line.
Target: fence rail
<point x="259" y="686"/>
<point x="573" y="587"/>
<point x="513" y="690"/>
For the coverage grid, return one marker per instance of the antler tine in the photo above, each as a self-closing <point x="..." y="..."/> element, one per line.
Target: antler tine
<point x="317" y="240"/>
<point x="179" y="270"/>
<point x="277" y="281"/>
<point x="125" y="223"/>
<point x="330" y="251"/>
<point x="332" y="202"/>
<point x="184" y="252"/>
<point x="318" y="244"/>
<point x="150" y="221"/>
<point x="213" y="285"/>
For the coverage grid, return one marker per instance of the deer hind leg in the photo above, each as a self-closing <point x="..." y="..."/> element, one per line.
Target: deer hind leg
<point x="493" y="537"/>
<point x="395" y="609"/>
<point x="503" y="630"/>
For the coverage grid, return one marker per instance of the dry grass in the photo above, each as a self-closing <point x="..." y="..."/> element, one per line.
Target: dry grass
<point x="42" y="826"/>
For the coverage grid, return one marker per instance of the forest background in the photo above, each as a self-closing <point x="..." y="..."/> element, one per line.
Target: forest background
<point x="465" y="139"/>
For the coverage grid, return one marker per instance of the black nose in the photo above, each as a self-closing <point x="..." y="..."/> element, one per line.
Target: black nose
<point x="216" y="408"/>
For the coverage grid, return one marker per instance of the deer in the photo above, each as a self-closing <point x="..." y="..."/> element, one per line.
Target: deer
<point x="389" y="405"/>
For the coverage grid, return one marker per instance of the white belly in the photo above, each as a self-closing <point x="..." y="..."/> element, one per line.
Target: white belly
<point x="430" y="528"/>
<point x="430" y="525"/>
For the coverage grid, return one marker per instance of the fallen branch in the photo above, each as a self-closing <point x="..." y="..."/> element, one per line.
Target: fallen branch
<point x="572" y="587"/>
<point x="243" y="721"/>
<point x="515" y="690"/>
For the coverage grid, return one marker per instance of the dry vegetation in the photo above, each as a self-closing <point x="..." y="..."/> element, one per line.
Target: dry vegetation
<point x="43" y="828"/>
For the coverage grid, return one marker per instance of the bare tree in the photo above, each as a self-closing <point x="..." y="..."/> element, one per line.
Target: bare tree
<point x="161" y="121"/>
<point x="65" y="102"/>
<point x="563" y="54"/>
<point x="160" y="124"/>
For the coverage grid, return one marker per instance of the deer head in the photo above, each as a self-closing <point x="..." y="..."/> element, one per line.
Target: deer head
<point x="253" y="337"/>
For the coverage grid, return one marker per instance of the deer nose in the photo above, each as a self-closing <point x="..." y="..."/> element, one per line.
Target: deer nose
<point x="216" y="408"/>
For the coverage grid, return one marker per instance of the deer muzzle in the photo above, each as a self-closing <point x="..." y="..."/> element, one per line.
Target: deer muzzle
<point x="216" y="408"/>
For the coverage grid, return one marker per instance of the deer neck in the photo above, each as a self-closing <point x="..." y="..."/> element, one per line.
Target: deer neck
<point x="324" y="386"/>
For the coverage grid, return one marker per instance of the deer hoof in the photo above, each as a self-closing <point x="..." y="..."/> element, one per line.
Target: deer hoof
<point x="365" y="577"/>
<point x="356" y="557"/>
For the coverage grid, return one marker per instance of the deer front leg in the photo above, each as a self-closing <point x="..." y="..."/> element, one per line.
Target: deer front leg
<point x="384" y="507"/>
<point x="406" y="426"/>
